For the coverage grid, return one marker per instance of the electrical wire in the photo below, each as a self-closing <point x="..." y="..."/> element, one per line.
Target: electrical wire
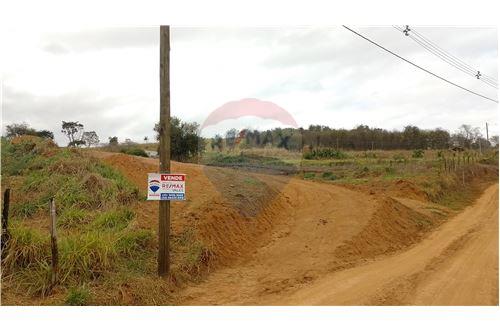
<point x="447" y="57"/>
<point x="419" y="67"/>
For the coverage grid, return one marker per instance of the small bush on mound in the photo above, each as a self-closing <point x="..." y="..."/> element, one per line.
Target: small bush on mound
<point x="324" y="153"/>
<point x="134" y="151"/>
<point x="78" y="296"/>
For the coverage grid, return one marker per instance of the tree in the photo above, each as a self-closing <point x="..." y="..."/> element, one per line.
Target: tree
<point x="45" y="134"/>
<point x="146" y="139"/>
<point x="184" y="139"/>
<point x="231" y="138"/>
<point x="113" y="140"/>
<point x="74" y="131"/>
<point x="217" y="142"/>
<point x="14" y="130"/>
<point x="90" y="138"/>
<point x="494" y="140"/>
<point x="19" y="129"/>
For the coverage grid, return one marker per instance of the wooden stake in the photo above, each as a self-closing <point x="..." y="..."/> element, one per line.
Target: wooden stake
<point x="5" y="223"/>
<point x="53" y="242"/>
<point x="164" y="212"/>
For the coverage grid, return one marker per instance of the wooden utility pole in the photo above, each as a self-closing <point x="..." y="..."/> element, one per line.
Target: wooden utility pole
<point x="487" y="134"/>
<point x="164" y="212"/>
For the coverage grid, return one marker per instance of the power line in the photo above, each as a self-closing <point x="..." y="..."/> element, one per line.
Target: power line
<point x="449" y="54"/>
<point x="425" y="70"/>
<point x="468" y="72"/>
<point x="447" y="57"/>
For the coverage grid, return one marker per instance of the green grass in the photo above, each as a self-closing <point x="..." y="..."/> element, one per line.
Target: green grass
<point x="93" y="210"/>
<point x="114" y="219"/>
<point x="73" y="217"/>
<point x="133" y="242"/>
<point x="86" y="256"/>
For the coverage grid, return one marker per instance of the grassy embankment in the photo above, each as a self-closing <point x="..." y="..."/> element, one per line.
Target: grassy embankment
<point x="104" y="256"/>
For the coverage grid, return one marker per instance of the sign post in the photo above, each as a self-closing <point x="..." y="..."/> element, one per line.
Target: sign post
<point x="164" y="211"/>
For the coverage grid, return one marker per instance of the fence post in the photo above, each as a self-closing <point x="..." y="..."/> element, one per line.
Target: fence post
<point x="5" y="222"/>
<point x="53" y="242"/>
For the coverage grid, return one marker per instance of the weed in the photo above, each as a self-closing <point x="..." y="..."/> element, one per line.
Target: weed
<point x="25" y="209"/>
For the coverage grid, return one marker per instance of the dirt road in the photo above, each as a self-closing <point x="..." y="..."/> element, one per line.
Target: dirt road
<point x="456" y="265"/>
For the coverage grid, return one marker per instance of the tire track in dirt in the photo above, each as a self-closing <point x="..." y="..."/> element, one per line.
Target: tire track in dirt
<point x="456" y="265"/>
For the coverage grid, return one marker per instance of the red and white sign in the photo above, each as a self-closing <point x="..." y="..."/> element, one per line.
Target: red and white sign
<point x="166" y="186"/>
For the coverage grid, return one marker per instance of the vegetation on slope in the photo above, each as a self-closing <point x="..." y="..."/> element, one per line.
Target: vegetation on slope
<point x="95" y="221"/>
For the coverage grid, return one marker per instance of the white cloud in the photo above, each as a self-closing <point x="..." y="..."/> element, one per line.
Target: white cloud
<point x="108" y="78"/>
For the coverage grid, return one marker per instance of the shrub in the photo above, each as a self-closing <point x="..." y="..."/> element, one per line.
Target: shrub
<point x="324" y="153"/>
<point x="328" y="175"/>
<point x="134" y="151"/>
<point x="418" y="153"/>
<point x="399" y="158"/>
<point x="78" y="296"/>
<point x="309" y="175"/>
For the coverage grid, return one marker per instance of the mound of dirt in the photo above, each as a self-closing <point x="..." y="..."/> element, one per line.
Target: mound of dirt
<point x="393" y="227"/>
<point x="213" y="213"/>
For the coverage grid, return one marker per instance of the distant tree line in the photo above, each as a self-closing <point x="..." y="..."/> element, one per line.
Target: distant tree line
<point x="19" y="129"/>
<point x="73" y="130"/>
<point x="361" y="137"/>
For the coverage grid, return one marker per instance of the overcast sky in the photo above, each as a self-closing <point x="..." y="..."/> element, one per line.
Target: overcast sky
<point x="108" y="78"/>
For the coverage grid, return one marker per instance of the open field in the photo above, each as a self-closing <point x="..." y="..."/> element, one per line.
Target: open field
<point x="352" y="236"/>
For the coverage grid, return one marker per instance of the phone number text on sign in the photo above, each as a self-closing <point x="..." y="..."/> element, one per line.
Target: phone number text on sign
<point x="166" y="186"/>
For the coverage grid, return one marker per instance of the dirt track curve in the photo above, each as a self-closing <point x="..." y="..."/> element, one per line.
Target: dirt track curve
<point x="301" y="257"/>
